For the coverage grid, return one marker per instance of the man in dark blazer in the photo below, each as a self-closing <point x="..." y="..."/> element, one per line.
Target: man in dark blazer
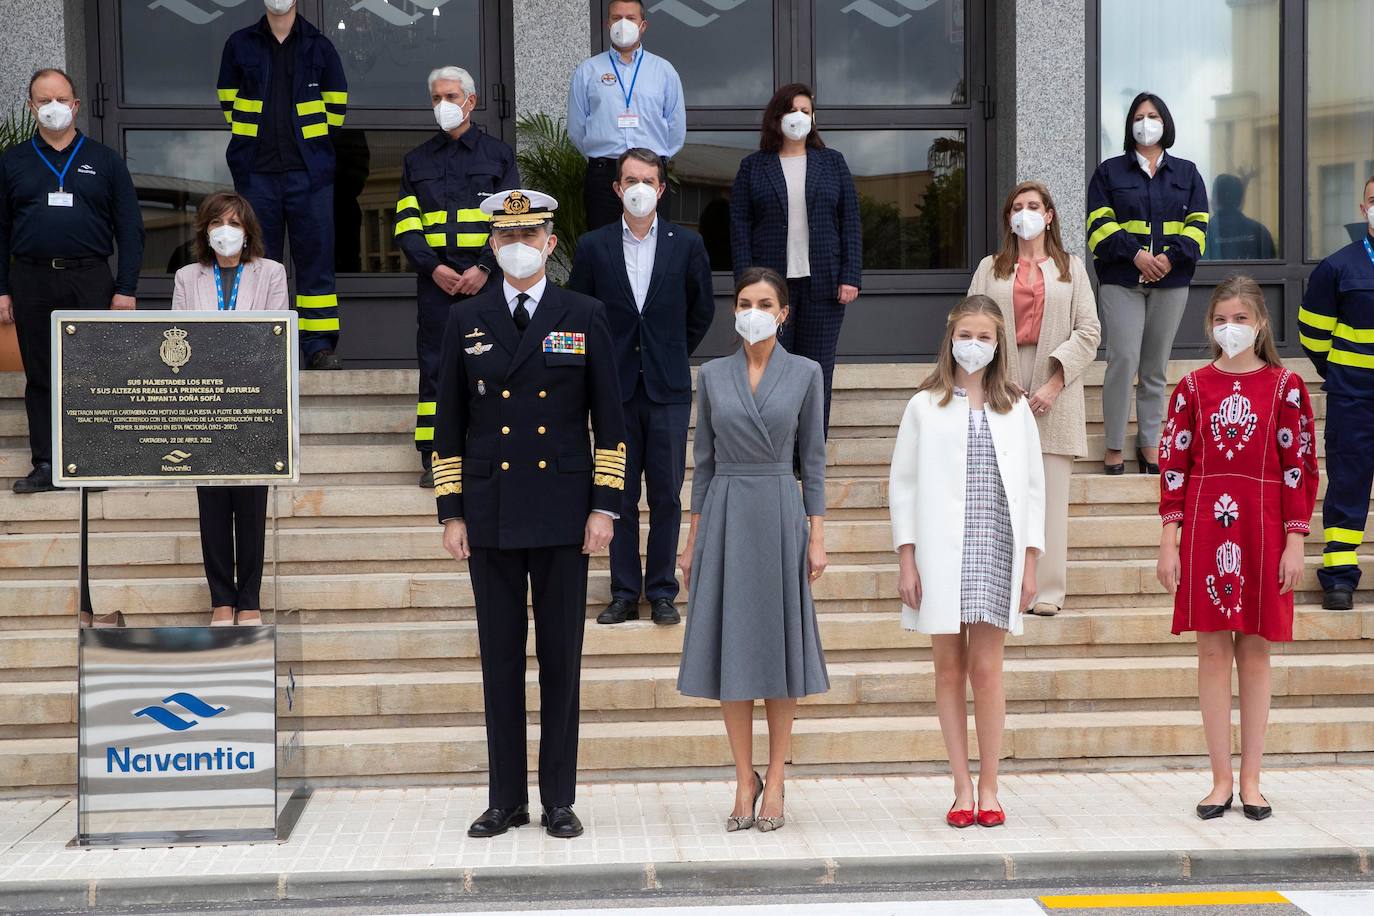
<point x="655" y="279"/>
<point x="525" y="498"/>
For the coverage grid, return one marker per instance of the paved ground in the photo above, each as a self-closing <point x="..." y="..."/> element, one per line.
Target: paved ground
<point x="668" y="838"/>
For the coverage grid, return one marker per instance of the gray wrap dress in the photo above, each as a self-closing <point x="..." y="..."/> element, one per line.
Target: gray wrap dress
<point x="751" y="624"/>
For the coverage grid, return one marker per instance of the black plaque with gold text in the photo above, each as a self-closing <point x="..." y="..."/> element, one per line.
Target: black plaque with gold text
<point x="174" y="396"/>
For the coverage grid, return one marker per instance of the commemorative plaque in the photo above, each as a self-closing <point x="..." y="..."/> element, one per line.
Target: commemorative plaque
<point x="167" y="397"/>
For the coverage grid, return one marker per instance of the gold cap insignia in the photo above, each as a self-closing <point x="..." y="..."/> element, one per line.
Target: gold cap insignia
<point x="516" y="204"/>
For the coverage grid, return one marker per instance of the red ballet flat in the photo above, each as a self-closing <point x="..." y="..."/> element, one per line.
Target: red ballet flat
<point x="959" y="819"/>
<point x="992" y="818"/>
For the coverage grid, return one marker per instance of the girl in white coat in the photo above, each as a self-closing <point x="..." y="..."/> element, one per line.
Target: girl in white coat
<point x="968" y="449"/>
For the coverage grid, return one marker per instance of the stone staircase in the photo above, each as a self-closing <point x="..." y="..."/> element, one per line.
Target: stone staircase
<point x="389" y="667"/>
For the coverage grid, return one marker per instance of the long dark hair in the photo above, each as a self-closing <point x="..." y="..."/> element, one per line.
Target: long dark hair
<point x="211" y="208"/>
<point x="770" y="134"/>
<point x="1167" y="140"/>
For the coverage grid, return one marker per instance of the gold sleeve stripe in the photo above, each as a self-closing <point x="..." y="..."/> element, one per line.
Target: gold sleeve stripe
<point x="613" y="483"/>
<point x="449" y="489"/>
<point x="602" y="460"/>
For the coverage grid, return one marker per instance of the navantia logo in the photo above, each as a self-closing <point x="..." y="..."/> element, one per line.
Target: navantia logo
<point x="187" y="701"/>
<point x="889" y="13"/>
<point x="194" y="11"/>
<point x="885" y="15"/>
<point x="688" y="15"/>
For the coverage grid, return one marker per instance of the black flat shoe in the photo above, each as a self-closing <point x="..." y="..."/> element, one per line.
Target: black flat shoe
<point x="664" y="613"/>
<point x="1257" y="812"/>
<point x="1146" y="467"/>
<point x="1338" y="599"/>
<point x="496" y="821"/>
<point x="561" y="822"/>
<point x="1211" y="812"/>
<point x="38" y="481"/>
<point x="1114" y="470"/>
<point x="325" y="359"/>
<point x="618" y="611"/>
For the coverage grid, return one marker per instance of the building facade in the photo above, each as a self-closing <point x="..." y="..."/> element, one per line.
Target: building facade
<point x="938" y="105"/>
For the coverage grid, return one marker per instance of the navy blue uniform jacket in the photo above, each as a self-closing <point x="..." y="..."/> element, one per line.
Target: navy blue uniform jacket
<point x="1336" y="321"/>
<point x="1128" y="210"/>
<point x="511" y="450"/>
<point x="677" y="312"/>
<point x="758" y="219"/>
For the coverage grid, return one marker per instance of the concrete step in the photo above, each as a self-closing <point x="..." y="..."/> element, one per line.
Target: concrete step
<point x="390" y="644"/>
<point x="1075" y="684"/>
<point x="458" y="753"/>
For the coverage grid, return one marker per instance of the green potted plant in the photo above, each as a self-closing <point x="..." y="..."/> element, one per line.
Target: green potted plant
<point x="14" y="130"/>
<point x="550" y="163"/>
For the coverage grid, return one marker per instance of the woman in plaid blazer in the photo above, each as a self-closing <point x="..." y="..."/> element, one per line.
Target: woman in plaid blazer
<point x="794" y="209"/>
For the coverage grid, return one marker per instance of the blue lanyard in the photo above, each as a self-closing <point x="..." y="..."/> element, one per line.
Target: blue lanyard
<point x="634" y="79"/>
<point x="62" y="175"/>
<point x="219" y="288"/>
<point x="1368" y="249"/>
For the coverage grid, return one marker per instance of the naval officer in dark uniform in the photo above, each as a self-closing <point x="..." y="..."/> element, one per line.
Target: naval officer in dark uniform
<point x="525" y="498"/>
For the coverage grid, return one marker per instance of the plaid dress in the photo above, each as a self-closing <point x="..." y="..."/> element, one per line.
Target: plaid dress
<point x="985" y="575"/>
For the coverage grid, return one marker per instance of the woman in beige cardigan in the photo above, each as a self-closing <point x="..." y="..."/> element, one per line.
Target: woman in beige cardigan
<point x="1048" y="305"/>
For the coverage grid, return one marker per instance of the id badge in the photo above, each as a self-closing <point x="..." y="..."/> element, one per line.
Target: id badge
<point x="60" y="199"/>
<point x="627" y="120"/>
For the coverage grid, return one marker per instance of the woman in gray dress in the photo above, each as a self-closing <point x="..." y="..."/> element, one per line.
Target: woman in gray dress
<point x="756" y="542"/>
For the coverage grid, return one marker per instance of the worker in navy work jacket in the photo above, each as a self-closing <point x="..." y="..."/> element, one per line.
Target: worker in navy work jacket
<point x="655" y="280"/>
<point x="525" y="498"/>
<point x="282" y="88"/>
<point x="442" y="229"/>
<point x="1336" y="327"/>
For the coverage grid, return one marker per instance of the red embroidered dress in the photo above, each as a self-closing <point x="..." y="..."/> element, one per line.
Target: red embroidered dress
<point x="1238" y="465"/>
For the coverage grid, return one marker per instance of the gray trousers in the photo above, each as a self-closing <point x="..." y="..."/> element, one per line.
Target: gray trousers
<point x="1140" y="325"/>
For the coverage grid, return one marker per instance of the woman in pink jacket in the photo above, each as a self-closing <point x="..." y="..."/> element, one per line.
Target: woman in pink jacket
<point x="231" y="274"/>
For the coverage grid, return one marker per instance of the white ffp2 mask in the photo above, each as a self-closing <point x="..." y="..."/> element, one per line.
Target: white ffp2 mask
<point x="278" y="6"/>
<point x="755" y="325"/>
<point x="1234" y="339"/>
<point x="226" y="240"/>
<point x="640" y="200"/>
<point x="1147" y="131"/>
<point x="1028" y="224"/>
<point x="519" y="260"/>
<point x="796" y="125"/>
<point x="55" y="116"/>
<point x="624" y="33"/>
<point x="449" y="115"/>
<point x="973" y="355"/>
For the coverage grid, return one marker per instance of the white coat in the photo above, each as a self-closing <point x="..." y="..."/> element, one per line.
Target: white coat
<point x="926" y="498"/>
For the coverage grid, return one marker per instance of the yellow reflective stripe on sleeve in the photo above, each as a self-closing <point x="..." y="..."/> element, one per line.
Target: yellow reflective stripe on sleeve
<point x="228" y="95"/>
<point x="1346" y="358"/>
<point x="424" y="434"/>
<point x="328" y="300"/>
<point x="436" y="217"/>
<point x="1198" y="216"/>
<point x="1316" y="320"/>
<point x="334" y="120"/>
<point x="407" y="203"/>
<point x="229" y="116"/>
<point x="1316" y="346"/>
<point x="252" y="105"/>
<point x="435" y="239"/>
<point x="470" y="239"/>
<point x="409" y="224"/>
<point x="1343" y="536"/>
<point x="1099" y="213"/>
<point x="426" y="408"/>
<point x="309" y="108"/>
<point x="1136" y="226"/>
<point x="244" y="130"/>
<point x="318" y="324"/>
<point x="1172" y="227"/>
<point x="1340" y="558"/>
<point x="311" y="131"/>
<point x="1354" y="335"/>
<point x="467" y="215"/>
<point x="334" y="98"/>
<point x="1105" y="230"/>
<point x="1198" y="236"/>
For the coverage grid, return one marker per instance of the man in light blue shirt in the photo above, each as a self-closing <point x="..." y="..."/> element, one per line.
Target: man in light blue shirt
<point x="620" y="99"/>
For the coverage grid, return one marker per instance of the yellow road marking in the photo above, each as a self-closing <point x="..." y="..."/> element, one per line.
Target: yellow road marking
<point x="1111" y="901"/>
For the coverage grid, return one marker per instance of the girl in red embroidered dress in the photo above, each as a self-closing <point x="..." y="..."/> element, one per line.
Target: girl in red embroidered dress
<point x="1237" y="485"/>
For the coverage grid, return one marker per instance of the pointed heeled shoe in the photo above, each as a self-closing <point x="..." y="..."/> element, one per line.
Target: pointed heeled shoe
<point x="1212" y="812"/>
<point x="769" y="824"/>
<point x="735" y="824"/>
<point x="1146" y="467"/>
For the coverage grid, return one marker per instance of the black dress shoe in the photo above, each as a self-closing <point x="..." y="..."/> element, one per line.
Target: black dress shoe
<point x="1257" y="812"/>
<point x="38" y="481"/>
<point x="619" y="611"/>
<point x="664" y="612"/>
<point x="1146" y="467"/>
<point x="1114" y="470"/>
<point x="1212" y="812"/>
<point x="561" y="822"/>
<point x="1335" y="599"/>
<point x="496" y="821"/>
<point x="325" y="359"/>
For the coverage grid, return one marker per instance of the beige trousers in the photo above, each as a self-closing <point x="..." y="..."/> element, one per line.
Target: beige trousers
<point x="1053" y="568"/>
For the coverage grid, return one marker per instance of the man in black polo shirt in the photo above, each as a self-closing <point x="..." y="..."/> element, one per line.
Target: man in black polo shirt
<point x="66" y="202"/>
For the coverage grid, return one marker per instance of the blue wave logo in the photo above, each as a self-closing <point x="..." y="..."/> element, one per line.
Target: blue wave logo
<point x="187" y="701"/>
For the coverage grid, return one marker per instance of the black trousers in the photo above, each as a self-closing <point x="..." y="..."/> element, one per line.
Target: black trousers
<point x="1349" y="475"/>
<point x="501" y="580"/>
<point x="655" y="448"/>
<point x="603" y="206"/>
<point x="233" y="533"/>
<point x="431" y="313"/>
<point x="813" y="330"/>
<point x="38" y="291"/>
